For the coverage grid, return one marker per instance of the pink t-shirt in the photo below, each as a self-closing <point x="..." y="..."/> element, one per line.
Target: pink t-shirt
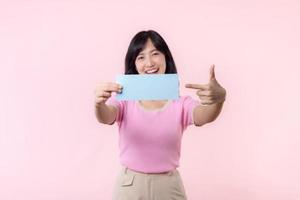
<point x="150" y="140"/>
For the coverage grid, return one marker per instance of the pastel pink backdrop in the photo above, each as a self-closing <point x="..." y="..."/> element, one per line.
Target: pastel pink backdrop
<point x="52" y="54"/>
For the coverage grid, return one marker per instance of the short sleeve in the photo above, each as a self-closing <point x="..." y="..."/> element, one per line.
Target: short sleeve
<point x="188" y="105"/>
<point x="119" y="105"/>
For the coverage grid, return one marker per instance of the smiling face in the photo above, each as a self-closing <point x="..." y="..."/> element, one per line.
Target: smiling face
<point x="150" y="60"/>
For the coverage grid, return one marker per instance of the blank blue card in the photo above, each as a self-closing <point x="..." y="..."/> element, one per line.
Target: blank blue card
<point x="148" y="86"/>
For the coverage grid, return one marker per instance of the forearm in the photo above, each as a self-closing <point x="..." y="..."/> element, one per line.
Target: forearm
<point x="105" y="114"/>
<point x="206" y="114"/>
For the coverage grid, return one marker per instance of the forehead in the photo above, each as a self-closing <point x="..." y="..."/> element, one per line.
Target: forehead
<point x="148" y="47"/>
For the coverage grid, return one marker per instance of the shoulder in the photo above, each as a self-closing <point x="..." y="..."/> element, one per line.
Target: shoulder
<point x="185" y="98"/>
<point x="184" y="101"/>
<point x="187" y="101"/>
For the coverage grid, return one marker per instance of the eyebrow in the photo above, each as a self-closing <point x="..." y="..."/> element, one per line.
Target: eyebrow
<point x="150" y="52"/>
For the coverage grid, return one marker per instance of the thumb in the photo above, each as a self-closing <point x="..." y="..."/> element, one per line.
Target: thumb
<point x="212" y="72"/>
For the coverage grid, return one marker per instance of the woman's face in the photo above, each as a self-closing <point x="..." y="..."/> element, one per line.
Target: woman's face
<point x="150" y="60"/>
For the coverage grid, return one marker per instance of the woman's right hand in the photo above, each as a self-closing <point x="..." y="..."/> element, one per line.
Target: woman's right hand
<point x="103" y="92"/>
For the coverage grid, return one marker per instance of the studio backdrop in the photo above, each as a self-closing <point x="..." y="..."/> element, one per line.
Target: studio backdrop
<point x="53" y="53"/>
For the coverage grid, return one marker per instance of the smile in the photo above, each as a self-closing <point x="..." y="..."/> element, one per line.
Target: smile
<point x="152" y="71"/>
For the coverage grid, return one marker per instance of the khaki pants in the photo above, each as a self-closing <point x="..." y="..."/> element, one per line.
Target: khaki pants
<point x="132" y="185"/>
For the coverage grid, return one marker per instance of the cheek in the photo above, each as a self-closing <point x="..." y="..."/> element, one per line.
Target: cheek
<point x="162" y="60"/>
<point x="138" y="66"/>
<point x="163" y="66"/>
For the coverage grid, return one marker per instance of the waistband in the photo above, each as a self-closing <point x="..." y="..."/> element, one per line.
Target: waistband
<point x="126" y="170"/>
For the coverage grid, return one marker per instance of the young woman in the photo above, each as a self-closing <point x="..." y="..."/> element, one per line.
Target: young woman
<point x="150" y="132"/>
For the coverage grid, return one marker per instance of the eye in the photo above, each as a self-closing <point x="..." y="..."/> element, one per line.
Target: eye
<point x="140" y="58"/>
<point x="155" y="53"/>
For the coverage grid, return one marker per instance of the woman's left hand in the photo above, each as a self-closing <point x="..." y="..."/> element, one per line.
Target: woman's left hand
<point x="210" y="93"/>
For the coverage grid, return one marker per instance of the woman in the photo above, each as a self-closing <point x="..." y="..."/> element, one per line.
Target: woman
<point x="150" y="131"/>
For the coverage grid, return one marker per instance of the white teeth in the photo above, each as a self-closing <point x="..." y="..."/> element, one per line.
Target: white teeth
<point x="151" y="71"/>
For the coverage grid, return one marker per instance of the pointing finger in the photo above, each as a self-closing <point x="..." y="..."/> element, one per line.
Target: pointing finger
<point x="197" y="86"/>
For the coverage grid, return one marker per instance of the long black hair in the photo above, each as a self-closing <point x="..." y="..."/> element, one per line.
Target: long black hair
<point x="136" y="46"/>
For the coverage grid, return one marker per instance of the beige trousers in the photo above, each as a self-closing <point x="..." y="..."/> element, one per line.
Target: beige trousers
<point x="132" y="185"/>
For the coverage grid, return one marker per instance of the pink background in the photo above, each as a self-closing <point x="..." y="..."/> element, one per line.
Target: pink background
<point x="52" y="54"/>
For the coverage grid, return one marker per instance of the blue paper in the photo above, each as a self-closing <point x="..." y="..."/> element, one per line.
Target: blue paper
<point x="148" y="87"/>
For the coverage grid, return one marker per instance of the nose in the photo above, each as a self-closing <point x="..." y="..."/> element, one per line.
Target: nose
<point x="149" y="62"/>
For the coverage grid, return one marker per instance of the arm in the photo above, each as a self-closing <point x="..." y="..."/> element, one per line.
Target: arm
<point x="212" y="96"/>
<point x="205" y="114"/>
<point x="106" y="114"/>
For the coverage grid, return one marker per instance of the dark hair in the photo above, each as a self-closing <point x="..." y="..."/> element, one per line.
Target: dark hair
<point x="136" y="46"/>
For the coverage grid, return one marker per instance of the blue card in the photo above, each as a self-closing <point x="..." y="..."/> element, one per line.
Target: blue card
<point x="148" y="86"/>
